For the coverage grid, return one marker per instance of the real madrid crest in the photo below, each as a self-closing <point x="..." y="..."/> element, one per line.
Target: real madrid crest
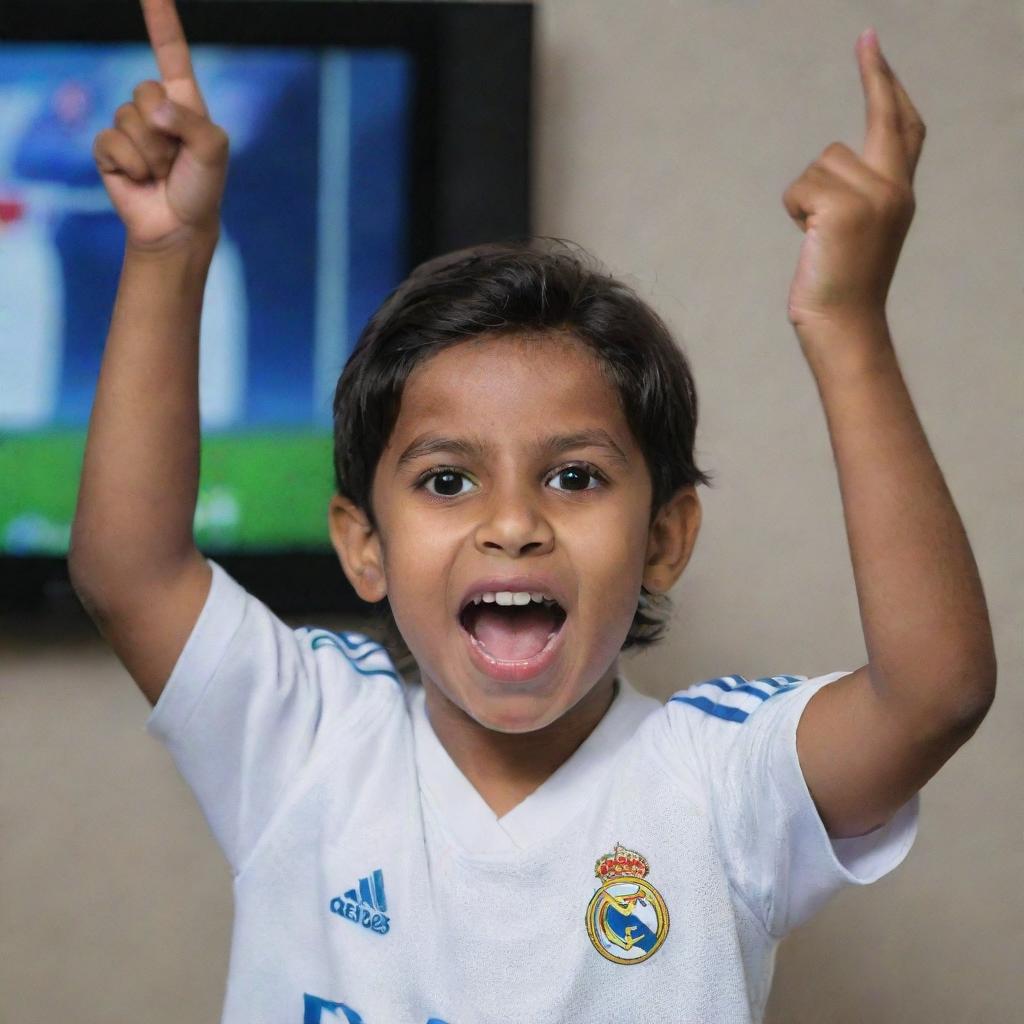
<point x="627" y="919"/>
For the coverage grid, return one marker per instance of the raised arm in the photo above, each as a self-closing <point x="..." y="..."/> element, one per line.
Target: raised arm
<point x="133" y="561"/>
<point x="870" y="740"/>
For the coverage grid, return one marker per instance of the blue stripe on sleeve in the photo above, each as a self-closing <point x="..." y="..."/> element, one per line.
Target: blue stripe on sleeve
<point x="729" y="712"/>
<point x="739" y="685"/>
<point x="336" y="640"/>
<point x="351" y="640"/>
<point x="718" y="710"/>
<point x="755" y="691"/>
<point x="723" y="682"/>
<point x="779" y="680"/>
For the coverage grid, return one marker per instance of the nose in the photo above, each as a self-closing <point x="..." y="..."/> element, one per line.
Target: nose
<point x="514" y="523"/>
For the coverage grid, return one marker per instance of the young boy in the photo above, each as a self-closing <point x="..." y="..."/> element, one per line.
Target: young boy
<point x="520" y="834"/>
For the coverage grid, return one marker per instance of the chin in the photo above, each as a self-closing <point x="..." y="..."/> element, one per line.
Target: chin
<point x="514" y="716"/>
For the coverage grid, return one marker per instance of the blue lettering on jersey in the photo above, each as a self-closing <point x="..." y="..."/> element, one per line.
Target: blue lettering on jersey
<point x="314" y="1007"/>
<point x="366" y="904"/>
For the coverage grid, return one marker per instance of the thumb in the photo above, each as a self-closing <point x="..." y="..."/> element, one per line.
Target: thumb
<point x="205" y="141"/>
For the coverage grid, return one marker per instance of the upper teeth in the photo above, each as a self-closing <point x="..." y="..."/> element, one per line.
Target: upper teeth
<point x="513" y="597"/>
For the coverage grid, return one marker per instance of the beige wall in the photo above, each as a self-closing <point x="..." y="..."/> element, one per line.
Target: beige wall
<point x="667" y="133"/>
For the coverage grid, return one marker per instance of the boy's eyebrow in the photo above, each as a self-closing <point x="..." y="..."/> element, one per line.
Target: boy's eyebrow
<point x="431" y="444"/>
<point x="595" y="438"/>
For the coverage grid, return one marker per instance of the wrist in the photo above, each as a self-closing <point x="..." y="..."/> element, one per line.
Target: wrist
<point x="189" y="246"/>
<point x="850" y="345"/>
<point x="172" y="273"/>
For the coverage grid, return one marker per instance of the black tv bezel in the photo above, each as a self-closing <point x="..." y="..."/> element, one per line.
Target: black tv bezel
<point x="470" y="152"/>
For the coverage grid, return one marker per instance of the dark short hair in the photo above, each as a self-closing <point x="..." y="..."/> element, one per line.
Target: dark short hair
<point x="534" y="286"/>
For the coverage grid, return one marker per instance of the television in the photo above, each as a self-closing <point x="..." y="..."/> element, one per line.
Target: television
<point x="365" y="138"/>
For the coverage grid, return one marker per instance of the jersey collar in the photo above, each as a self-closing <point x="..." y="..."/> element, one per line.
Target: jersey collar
<point x="464" y="814"/>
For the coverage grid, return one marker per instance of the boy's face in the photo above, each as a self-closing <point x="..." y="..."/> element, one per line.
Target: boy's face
<point x="511" y="468"/>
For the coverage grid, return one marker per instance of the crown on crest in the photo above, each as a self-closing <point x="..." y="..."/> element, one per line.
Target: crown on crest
<point x="621" y="862"/>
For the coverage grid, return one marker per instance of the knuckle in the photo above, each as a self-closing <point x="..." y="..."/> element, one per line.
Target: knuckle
<point x="149" y="93"/>
<point x="896" y="197"/>
<point x="105" y="140"/>
<point x="154" y="129"/>
<point x="219" y="140"/>
<point x="124" y="113"/>
<point x="899" y="193"/>
<point x="793" y="193"/>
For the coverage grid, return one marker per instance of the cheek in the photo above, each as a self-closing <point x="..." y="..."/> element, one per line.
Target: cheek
<point x="616" y="541"/>
<point x="610" y="557"/>
<point x="416" y="561"/>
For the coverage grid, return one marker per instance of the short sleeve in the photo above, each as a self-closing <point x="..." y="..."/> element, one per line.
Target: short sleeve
<point x="739" y="738"/>
<point x="250" y="702"/>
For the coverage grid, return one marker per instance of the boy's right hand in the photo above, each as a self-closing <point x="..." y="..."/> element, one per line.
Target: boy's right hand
<point x="165" y="162"/>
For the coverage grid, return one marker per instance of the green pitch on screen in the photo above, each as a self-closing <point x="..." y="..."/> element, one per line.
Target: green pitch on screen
<point x="257" y="492"/>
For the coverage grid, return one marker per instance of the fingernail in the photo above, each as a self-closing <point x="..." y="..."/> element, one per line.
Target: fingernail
<point x="869" y="37"/>
<point x="164" y="114"/>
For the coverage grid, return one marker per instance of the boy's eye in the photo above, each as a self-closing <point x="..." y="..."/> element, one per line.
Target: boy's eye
<point x="575" y="478"/>
<point x="447" y="483"/>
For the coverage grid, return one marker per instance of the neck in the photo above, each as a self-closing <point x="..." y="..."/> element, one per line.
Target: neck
<point x="506" y="768"/>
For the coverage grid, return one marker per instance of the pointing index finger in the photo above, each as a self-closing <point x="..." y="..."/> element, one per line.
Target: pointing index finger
<point x="884" y="150"/>
<point x="170" y="48"/>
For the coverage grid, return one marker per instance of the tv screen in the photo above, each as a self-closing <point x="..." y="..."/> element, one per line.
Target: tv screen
<point x="365" y="137"/>
<point x="313" y="235"/>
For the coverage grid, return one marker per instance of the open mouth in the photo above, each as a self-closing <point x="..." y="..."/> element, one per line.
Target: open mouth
<point x="515" y="632"/>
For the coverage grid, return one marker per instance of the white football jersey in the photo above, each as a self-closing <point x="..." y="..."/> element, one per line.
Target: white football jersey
<point x="649" y="878"/>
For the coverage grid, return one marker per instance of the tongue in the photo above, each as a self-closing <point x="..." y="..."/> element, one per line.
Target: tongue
<point x="514" y="635"/>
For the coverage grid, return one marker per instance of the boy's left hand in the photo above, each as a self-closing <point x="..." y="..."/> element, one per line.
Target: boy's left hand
<point x="855" y="211"/>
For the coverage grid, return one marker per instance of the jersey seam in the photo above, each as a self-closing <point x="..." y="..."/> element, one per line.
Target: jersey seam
<point x="669" y="769"/>
<point x="366" y="717"/>
<point x="674" y="775"/>
<point x="205" y="689"/>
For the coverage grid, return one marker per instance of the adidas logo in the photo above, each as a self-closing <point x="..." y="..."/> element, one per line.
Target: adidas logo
<point x="366" y="904"/>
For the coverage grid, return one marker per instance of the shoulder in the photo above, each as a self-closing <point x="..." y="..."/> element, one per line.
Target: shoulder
<point x="732" y="718"/>
<point x="734" y="734"/>
<point x="714" y="715"/>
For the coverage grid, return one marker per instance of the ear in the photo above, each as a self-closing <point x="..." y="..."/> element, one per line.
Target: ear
<point x="358" y="546"/>
<point x="671" y="540"/>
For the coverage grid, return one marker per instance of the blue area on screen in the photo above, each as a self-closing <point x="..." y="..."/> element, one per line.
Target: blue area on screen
<point x="314" y="224"/>
<point x="380" y="90"/>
